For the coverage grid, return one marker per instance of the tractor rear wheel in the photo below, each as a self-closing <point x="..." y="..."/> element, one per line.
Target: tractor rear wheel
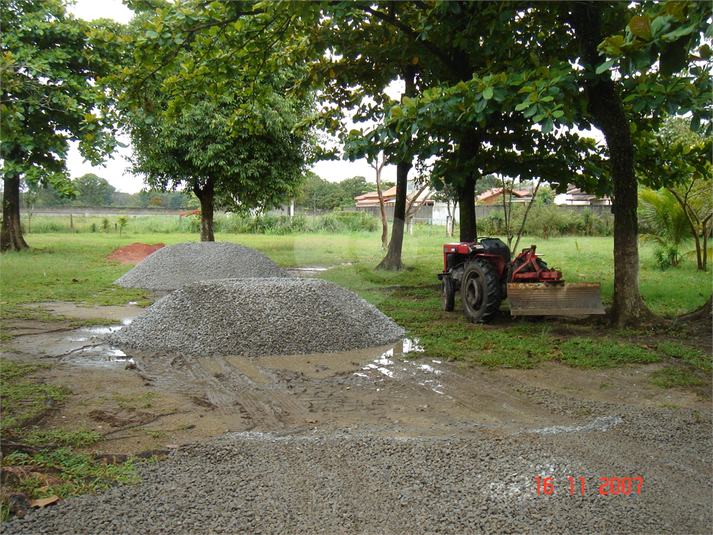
<point x="480" y="291"/>
<point x="448" y="294"/>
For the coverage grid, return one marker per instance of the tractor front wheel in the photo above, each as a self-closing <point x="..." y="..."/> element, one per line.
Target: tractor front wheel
<point x="480" y="291"/>
<point x="448" y="294"/>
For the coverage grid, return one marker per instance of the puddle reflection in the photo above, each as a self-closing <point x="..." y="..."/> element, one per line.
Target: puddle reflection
<point x="389" y="366"/>
<point x="99" y="355"/>
<point x="95" y="353"/>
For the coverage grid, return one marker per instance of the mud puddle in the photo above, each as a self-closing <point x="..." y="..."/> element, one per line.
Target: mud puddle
<point x="305" y="271"/>
<point x="139" y="402"/>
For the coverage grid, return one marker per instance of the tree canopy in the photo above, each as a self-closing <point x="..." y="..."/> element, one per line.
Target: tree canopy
<point x="50" y="96"/>
<point x="234" y="141"/>
<point x="93" y="190"/>
<point x="201" y="151"/>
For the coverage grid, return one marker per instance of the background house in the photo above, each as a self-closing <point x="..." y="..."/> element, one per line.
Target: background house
<point x="495" y="196"/>
<point x="372" y="198"/>
<point x="576" y="197"/>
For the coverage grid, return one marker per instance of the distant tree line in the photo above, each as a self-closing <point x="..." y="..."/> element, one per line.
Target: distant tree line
<point x="95" y="191"/>
<point x="315" y="194"/>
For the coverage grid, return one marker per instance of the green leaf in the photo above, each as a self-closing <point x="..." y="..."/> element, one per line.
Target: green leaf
<point x="605" y="66"/>
<point x="640" y="26"/>
<point x="679" y="32"/>
<point x="674" y="58"/>
<point x="696" y="123"/>
<point x="488" y="93"/>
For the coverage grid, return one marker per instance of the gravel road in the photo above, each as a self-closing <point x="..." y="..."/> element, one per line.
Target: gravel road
<point x="363" y="481"/>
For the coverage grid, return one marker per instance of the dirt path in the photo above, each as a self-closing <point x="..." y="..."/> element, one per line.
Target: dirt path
<point x="153" y="402"/>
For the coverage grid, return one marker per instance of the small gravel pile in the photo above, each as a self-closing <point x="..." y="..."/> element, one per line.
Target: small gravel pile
<point x="255" y="317"/>
<point x="174" y="266"/>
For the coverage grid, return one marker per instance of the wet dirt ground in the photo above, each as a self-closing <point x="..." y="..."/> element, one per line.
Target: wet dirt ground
<point x="146" y="402"/>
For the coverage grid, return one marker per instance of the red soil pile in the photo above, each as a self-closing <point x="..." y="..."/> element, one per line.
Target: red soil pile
<point x="134" y="253"/>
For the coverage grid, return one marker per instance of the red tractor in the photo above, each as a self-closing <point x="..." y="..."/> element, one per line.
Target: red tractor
<point x="484" y="275"/>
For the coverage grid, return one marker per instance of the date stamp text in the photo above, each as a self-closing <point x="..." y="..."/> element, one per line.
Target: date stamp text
<point x="607" y="485"/>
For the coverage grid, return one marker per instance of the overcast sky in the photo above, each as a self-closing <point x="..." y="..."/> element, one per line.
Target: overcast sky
<point x="115" y="170"/>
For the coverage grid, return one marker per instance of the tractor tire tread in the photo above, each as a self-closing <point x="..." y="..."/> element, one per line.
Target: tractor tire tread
<point x="493" y="294"/>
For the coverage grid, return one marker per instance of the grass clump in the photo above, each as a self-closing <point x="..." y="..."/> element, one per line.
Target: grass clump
<point x="80" y="438"/>
<point x="696" y="358"/>
<point x="24" y="400"/>
<point x="42" y="462"/>
<point x="687" y="372"/>
<point x="64" y="473"/>
<point x="675" y="377"/>
<point x="589" y="353"/>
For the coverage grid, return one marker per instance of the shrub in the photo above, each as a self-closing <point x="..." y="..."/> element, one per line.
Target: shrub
<point x="492" y="225"/>
<point x="666" y="256"/>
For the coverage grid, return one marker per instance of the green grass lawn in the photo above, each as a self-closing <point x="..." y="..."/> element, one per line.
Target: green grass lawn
<point x="73" y="267"/>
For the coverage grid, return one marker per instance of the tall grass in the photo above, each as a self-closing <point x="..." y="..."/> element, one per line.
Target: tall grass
<point x="549" y="221"/>
<point x="335" y="222"/>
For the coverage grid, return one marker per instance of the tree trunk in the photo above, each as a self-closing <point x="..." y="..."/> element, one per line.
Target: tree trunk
<point x="608" y="115"/>
<point x="466" y="199"/>
<point x="704" y="312"/>
<point x="524" y="217"/>
<point x="392" y="260"/>
<point x="205" y="195"/>
<point x="706" y="233"/>
<point x="413" y="205"/>
<point x="384" y="221"/>
<point x="379" y="167"/>
<point x="466" y="191"/>
<point x="11" y="232"/>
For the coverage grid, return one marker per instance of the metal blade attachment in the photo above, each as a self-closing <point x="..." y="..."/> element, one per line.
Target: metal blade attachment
<point x="554" y="299"/>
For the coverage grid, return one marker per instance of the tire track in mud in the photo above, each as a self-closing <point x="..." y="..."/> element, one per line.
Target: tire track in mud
<point x="223" y="384"/>
<point x="424" y="394"/>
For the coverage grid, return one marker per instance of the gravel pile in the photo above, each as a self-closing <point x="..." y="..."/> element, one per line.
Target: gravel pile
<point x="174" y="266"/>
<point x="255" y="317"/>
<point x="248" y="483"/>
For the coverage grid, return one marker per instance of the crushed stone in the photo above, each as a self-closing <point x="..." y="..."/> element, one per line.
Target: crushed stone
<point x="649" y="474"/>
<point x="176" y="265"/>
<point x="258" y="317"/>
